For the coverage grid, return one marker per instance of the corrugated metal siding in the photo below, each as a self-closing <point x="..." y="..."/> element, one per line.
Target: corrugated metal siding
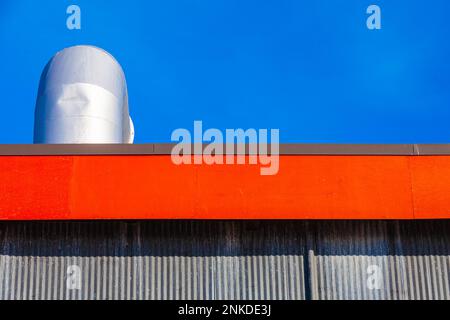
<point x="411" y="260"/>
<point x="226" y="259"/>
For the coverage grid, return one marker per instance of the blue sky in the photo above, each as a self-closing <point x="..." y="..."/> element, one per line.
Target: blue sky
<point x="309" y="68"/>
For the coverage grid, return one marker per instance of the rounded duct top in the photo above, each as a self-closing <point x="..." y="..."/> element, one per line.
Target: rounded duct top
<point x="82" y="98"/>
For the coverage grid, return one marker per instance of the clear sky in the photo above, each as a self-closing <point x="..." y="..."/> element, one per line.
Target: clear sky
<point x="310" y="68"/>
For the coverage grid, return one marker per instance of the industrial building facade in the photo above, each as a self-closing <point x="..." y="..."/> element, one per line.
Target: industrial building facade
<point x="121" y="222"/>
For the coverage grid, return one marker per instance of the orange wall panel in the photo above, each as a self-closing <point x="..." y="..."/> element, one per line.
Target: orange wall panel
<point x="35" y="187"/>
<point x="152" y="187"/>
<point x="314" y="187"/>
<point x="431" y="186"/>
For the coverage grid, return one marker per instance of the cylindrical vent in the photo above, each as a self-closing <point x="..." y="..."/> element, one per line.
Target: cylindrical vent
<point x="82" y="98"/>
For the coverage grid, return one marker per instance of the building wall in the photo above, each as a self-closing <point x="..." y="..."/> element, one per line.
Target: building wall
<point x="225" y="260"/>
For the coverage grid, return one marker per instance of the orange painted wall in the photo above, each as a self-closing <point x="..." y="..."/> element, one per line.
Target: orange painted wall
<point x="152" y="187"/>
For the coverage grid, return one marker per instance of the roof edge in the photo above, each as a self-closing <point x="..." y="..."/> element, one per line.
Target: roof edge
<point x="166" y="148"/>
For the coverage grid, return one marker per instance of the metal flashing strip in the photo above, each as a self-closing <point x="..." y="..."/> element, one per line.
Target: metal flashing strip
<point x="166" y="148"/>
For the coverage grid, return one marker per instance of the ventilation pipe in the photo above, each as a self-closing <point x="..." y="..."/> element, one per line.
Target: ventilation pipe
<point x="82" y="98"/>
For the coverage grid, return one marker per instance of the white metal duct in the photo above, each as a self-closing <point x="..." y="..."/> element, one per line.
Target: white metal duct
<point x="82" y="98"/>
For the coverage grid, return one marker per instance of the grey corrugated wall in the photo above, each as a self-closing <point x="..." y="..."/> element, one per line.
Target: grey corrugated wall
<point x="225" y="260"/>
